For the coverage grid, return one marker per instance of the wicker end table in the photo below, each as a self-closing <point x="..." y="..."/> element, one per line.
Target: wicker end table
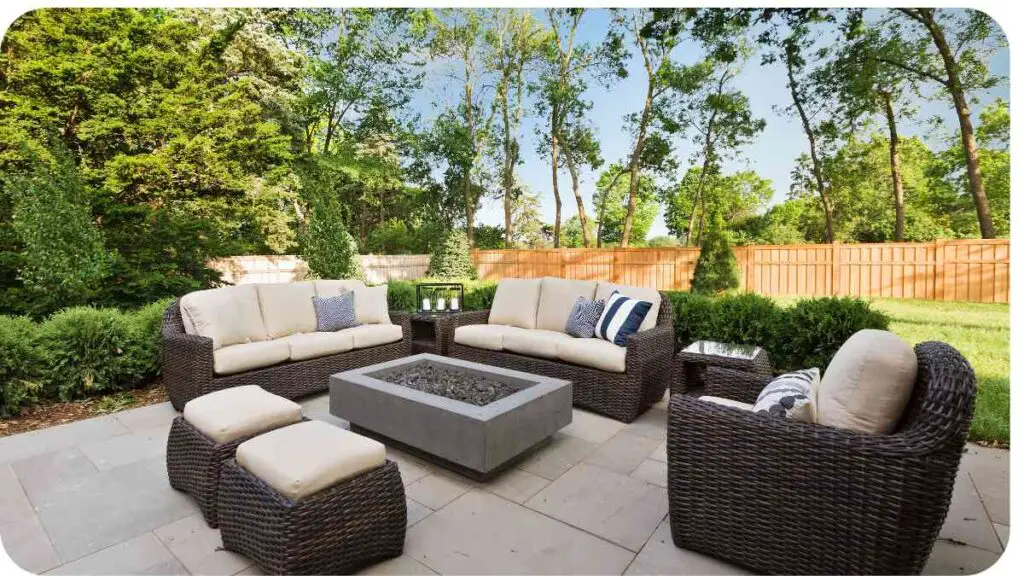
<point x="429" y="331"/>
<point x="695" y="358"/>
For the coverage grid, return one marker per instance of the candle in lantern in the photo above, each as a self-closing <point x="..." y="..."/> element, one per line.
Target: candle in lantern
<point x="440" y="304"/>
<point x="454" y="303"/>
<point x="426" y="304"/>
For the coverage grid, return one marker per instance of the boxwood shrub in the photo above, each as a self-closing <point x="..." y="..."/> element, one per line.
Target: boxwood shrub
<point x="21" y="364"/>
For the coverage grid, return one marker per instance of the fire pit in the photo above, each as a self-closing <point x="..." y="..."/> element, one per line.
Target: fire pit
<point x="473" y="418"/>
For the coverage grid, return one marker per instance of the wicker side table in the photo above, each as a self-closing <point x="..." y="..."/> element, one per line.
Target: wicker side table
<point x="430" y="331"/>
<point x="692" y="361"/>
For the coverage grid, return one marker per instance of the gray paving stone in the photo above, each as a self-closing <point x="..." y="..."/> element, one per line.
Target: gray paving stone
<point x="325" y="416"/>
<point x="616" y="507"/>
<point x="144" y="554"/>
<point x="318" y="403"/>
<point x="660" y="453"/>
<point x="26" y="543"/>
<point x="967" y="521"/>
<point x="401" y="565"/>
<point x="253" y="570"/>
<point x="199" y="548"/>
<point x="592" y="427"/>
<point x="559" y="456"/>
<point x="660" y="556"/>
<point x="21" y="446"/>
<point x="410" y="467"/>
<point x="650" y="424"/>
<point x="516" y="485"/>
<point x="652" y="472"/>
<point x="437" y="490"/>
<point x="414" y="512"/>
<point x="128" y="448"/>
<point x="948" y="558"/>
<point x="623" y="453"/>
<point x="45" y="472"/>
<point x="481" y="533"/>
<point x="86" y="516"/>
<point x="146" y="417"/>
<point x="990" y="470"/>
<point x="14" y="504"/>
<point x="1003" y="532"/>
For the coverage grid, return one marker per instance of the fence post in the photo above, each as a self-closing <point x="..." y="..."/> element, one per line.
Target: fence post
<point x="940" y="269"/>
<point x="836" y="272"/>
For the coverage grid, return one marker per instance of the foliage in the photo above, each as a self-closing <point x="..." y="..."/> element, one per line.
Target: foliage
<point x="611" y="200"/>
<point x="737" y="197"/>
<point x="327" y="247"/>
<point x="716" y="270"/>
<point x="450" y="257"/>
<point x="21" y="364"/>
<point x="812" y="330"/>
<point x="478" y="294"/>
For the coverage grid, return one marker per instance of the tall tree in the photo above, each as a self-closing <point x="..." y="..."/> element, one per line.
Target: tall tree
<point x="611" y="200"/>
<point x="570" y="139"/>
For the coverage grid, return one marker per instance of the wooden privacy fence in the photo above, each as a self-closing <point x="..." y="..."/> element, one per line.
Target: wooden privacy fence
<point x="286" y="268"/>
<point x="974" y="270"/>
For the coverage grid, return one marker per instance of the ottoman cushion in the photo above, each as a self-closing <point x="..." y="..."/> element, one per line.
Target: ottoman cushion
<point x="302" y="459"/>
<point x="233" y="413"/>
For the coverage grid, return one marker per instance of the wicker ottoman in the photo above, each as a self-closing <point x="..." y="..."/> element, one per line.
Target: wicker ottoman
<point x="210" y="429"/>
<point x="312" y="498"/>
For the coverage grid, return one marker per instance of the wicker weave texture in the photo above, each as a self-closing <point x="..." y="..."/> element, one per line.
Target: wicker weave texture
<point x="693" y="368"/>
<point x="187" y="363"/>
<point x="340" y="530"/>
<point x="622" y="396"/>
<point x="780" y="496"/>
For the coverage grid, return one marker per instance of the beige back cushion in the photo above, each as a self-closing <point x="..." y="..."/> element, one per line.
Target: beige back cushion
<point x="605" y="289"/>
<point x="227" y="316"/>
<point x="868" y="383"/>
<point x="287" y="308"/>
<point x="372" y="304"/>
<point x="557" y="297"/>
<point x="329" y="288"/>
<point x="515" y="303"/>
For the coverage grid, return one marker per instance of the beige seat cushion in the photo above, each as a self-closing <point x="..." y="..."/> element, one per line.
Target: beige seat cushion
<point x="485" y="336"/>
<point x="515" y="303"/>
<point x="369" y="335"/>
<point x="557" y="297"/>
<point x="227" y="316"/>
<point x="305" y="458"/>
<point x="594" y="353"/>
<point x="605" y="289"/>
<point x="539" y="343"/>
<point x="233" y="413"/>
<point x="244" y="357"/>
<point x="316" y="344"/>
<point x="868" y="383"/>
<point x="727" y="402"/>
<point x="287" y="308"/>
<point x="329" y="288"/>
<point x="372" y="305"/>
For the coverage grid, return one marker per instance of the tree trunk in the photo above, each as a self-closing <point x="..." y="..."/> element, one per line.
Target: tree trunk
<point x="467" y="189"/>
<point x="330" y="129"/>
<point x="894" y="165"/>
<point x="963" y="115"/>
<point x="507" y="167"/>
<point x="634" y="162"/>
<point x="580" y="207"/>
<point x="826" y="202"/>
<point x="554" y="176"/>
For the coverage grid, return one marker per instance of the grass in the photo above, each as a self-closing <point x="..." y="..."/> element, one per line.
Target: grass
<point x="981" y="332"/>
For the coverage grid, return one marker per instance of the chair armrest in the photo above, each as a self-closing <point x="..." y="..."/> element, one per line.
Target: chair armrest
<point x="186" y="362"/>
<point x="733" y="384"/>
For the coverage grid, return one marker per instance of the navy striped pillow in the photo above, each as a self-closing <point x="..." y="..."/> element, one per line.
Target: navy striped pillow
<point x="622" y="316"/>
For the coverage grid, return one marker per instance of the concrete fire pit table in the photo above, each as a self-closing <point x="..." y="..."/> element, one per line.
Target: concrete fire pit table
<point x="476" y="441"/>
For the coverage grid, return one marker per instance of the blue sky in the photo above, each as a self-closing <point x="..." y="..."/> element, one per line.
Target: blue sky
<point x="772" y="155"/>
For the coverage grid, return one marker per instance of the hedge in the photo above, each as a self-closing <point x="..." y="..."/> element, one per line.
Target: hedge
<point x="477" y="294"/>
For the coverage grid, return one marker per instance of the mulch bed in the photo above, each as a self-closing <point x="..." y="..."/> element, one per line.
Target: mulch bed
<point x="454" y="384"/>
<point x="54" y="413"/>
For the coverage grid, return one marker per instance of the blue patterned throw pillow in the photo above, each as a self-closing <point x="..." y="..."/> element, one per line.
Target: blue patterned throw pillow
<point x="790" y="396"/>
<point x="336" y="312"/>
<point x="583" y="318"/>
<point x="622" y="316"/>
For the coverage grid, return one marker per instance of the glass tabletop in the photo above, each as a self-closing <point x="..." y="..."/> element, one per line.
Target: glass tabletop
<point x="738" y="351"/>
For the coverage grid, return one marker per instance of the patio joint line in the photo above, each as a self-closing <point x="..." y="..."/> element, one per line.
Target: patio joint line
<point x="646" y="542"/>
<point x="988" y="515"/>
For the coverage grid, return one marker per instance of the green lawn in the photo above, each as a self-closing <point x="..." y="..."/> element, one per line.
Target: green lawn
<point x="981" y="332"/>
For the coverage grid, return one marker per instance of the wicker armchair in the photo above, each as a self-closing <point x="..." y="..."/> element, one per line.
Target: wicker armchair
<point x="187" y="364"/>
<point x="623" y="396"/>
<point x="780" y="496"/>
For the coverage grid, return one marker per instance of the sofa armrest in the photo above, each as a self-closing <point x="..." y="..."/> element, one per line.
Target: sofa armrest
<point x="187" y="364"/>
<point x="654" y="345"/>
<point x="447" y="324"/>
<point x="733" y="384"/>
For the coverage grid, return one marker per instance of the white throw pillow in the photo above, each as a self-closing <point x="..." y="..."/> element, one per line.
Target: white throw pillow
<point x="790" y="396"/>
<point x="372" y="304"/>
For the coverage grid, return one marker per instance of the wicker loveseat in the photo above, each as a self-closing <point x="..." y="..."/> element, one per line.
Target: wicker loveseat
<point x="781" y="496"/>
<point x="620" y="382"/>
<point x="265" y="334"/>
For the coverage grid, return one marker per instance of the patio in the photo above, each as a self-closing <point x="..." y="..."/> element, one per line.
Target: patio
<point x="92" y="497"/>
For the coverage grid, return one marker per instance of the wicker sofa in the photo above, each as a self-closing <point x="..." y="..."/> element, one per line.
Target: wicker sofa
<point x="618" y="382"/>
<point x="780" y="496"/>
<point x="265" y="334"/>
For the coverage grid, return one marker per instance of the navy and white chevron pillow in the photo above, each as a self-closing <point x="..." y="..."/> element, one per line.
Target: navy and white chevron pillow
<point x="336" y="312"/>
<point x="622" y="316"/>
<point x="583" y="318"/>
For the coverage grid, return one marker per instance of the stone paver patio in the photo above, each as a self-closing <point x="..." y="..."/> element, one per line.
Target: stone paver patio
<point x="92" y="497"/>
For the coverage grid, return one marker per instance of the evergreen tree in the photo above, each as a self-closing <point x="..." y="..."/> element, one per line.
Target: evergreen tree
<point x="327" y="247"/>
<point x="716" y="268"/>
<point x="450" y="257"/>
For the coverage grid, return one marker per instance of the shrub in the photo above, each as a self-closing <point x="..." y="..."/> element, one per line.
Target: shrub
<point x="477" y="294"/>
<point x="450" y="257"/>
<point x="812" y="330"/>
<point x="88" y="350"/>
<point x="327" y="247"/>
<point x="21" y="364"/>
<point x="143" y="359"/>
<point x="402" y="295"/>
<point x="716" y="267"/>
